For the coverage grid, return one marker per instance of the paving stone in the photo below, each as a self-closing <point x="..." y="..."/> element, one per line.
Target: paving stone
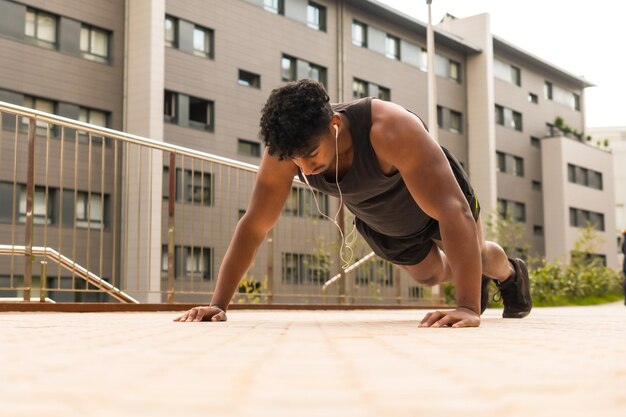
<point x="558" y="361"/>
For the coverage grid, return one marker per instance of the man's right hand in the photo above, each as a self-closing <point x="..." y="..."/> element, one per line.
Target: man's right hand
<point x="207" y="313"/>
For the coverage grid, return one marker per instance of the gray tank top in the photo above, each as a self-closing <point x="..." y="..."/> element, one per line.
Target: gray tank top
<point x="383" y="203"/>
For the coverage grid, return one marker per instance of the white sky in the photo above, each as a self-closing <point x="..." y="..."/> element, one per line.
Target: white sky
<point x="582" y="37"/>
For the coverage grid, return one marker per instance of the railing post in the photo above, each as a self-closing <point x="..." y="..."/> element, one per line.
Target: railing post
<point x="30" y="193"/>
<point x="43" y="281"/>
<point x="171" y="198"/>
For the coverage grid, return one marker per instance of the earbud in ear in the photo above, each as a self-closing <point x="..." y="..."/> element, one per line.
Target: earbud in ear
<point x="336" y="130"/>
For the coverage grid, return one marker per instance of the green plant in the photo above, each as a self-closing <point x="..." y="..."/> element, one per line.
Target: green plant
<point x="251" y="290"/>
<point x="559" y="122"/>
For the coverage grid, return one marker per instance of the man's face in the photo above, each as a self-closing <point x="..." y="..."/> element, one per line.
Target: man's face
<point x="320" y="158"/>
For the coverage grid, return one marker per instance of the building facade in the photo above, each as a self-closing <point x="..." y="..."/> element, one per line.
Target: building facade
<point x="196" y="73"/>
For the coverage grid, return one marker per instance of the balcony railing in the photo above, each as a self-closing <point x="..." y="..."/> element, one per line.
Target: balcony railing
<point x="149" y="221"/>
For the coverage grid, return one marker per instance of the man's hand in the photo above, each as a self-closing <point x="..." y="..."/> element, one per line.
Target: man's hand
<point x="460" y="317"/>
<point x="209" y="313"/>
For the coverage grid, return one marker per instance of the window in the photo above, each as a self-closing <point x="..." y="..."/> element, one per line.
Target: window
<point x="189" y="262"/>
<point x="576" y="102"/>
<point x="300" y="268"/>
<point x="94" y="43"/>
<point x="41" y="27"/>
<point x="582" y="218"/>
<point x="40" y="104"/>
<point x="288" y="68"/>
<point x="508" y="118"/>
<point x="359" y="34"/>
<point x="538" y="230"/>
<point x="512" y="209"/>
<point x="191" y="186"/>
<point x="202" y="42"/>
<point x="200" y="113"/>
<point x="89" y="210"/>
<point x="455" y="71"/>
<point x="501" y="157"/>
<point x="533" y="98"/>
<point x="510" y="164"/>
<point x="449" y="119"/>
<point x="416" y="292"/>
<point x="248" y="148"/>
<point x="392" y="47"/>
<point x="41" y="214"/>
<point x="537" y="185"/>
<point x="300" y="203"/>
<point x="535" y="142"/>
<point x="376" y="272"/>
<point x="249" y="79"/>
<point x="583" y="176"/>
<point x="447" y="68"/>
<point x="586" y="257"/>
<point x="93" y="117"/>
<point x="171" y="31"/>
<point x="274" y="6"/>
<point x="316" y="16"/>
<point x="359" y="88"/>
<point x="384" y="93"/>
<point x="169" y="106"/>
<point x="507" y="72"/>
<point x="547" y="90"/>
<point x="317" y="73"/>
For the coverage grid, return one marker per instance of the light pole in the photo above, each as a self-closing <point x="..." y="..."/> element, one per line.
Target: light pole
<point x="432" y="90"/>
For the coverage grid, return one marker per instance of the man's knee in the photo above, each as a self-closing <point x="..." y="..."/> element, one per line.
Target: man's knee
<point x="421" y="277"/>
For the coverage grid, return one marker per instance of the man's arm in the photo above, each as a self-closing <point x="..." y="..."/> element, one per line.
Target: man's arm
<point x="271" y="188"/>
<point x="400" y="139"/>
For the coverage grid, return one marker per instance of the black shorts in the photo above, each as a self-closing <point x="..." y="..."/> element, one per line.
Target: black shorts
<point x="413" y="249"/>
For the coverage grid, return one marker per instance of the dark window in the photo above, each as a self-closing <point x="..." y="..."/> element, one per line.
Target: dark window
<point x="169" y="106"/>
<point x="317" y="73"/>
<point x="582" y="218"/>
<point x="535" y="142"/>
<point x="456" y="122"/>
<point x="518" y="169"/>
<point x="416" y="292"/>
<point x="301" y="203"/>
<point x="533" y="98"/>
<point x="584" y="176"/>
<point x="189" y="262"/>
<point x="455" y="71"/>
<point x="300" y="268"/>
<point x="537" y="185"/>
<point x="576" y="101"/>
<point x="249" y="79"/>
<point x="200" y="113"/>
<point x="501" y="157"/>
<point x="517" y="121"/>
<point x="42" y="210"/>
<point x="248" y="148"/>
<point x="359" y="88"/>
<point x="90" y="209"/>
<point x="376" y="272"/>
<point x="316" y="16"/>
<point x="193" y="187"/>
<point x="512" y="209"/>
<point x="538" y="230"/>
<point x="499" y="115"/>
<point x="384" y="93"/>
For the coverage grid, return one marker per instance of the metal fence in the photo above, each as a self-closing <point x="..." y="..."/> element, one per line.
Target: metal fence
<point x="92" y="214"/>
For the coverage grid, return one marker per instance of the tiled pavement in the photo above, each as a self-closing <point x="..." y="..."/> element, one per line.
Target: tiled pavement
<point x="557" y="362"/>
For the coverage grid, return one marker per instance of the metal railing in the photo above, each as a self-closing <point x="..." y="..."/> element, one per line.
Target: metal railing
<point x="148" y="221"/>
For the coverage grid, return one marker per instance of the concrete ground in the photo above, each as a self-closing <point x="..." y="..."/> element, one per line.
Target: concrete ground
<point x="557" y="362"/>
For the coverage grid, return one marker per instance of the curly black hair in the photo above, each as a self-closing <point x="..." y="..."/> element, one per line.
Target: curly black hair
<point x="293" y="116"/>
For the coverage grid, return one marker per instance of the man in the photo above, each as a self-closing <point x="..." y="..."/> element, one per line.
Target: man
<point x="412" y="200"/>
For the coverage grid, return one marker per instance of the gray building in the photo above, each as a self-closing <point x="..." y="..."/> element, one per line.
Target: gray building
<point x="196" y="74"/>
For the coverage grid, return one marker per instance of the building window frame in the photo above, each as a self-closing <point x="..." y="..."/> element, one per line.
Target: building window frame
<point x="392" y="47"/>
<point x="90" y="38"/>
<point x="359" y="34"/>
<point x="249" y="79"/>
<point x="172" y="40"/>
<point x="248" y="148"/>
<point x="274" y="6"/>
<point x="34" y="25"/>
<point x="316" y="16"/>
<point x="203" y="42"/>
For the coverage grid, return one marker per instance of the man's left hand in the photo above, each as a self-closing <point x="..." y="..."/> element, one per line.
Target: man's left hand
<point x="459" y="317"/>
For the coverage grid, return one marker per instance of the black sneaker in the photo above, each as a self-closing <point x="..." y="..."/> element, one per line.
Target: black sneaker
<point x="515" y="292"/>
<point x="484" y="293"/>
